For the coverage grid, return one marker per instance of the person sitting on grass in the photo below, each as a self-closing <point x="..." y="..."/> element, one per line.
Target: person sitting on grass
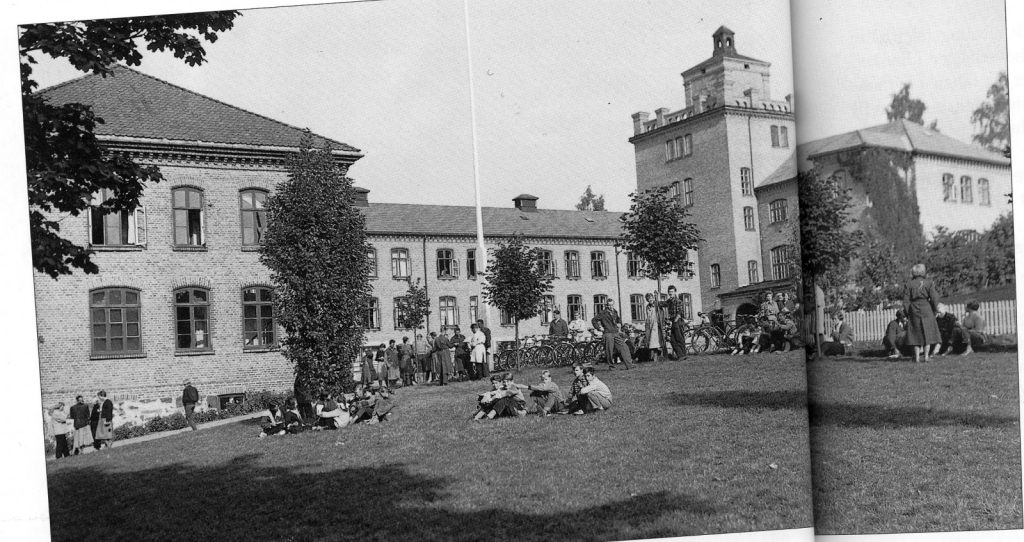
<point x="784" y="333"/>
<point x="546" y="395"/>
<point x="292" y="419"/>
<point x="895" y="335"/>
<point x="949" y="330"/>
<point x="275" y="424"/>
<point x="842" y="338"/>
<point x="375" y="408"/>
<point x="973" y="329"/>
<point x="330" y="415"/>
<point x="485" y="401"/>
<point x="595" y="396"/>
<point x="574" y="391"/>
<point x="509" y="400"/>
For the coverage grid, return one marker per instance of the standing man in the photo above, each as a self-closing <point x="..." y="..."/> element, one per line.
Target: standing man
<point x="487" y="346"/>
<point x="422" y="351"/>
<point x="608" y="322"/>
<point x="103" y="417"/>
<point x="80" y="424"/>
<point x="60" y="429"/>
<point x="189" y="398"/>
<point x="677" y="337"/>
<point x="559" y="328"/>
<point x="442" y="349"/>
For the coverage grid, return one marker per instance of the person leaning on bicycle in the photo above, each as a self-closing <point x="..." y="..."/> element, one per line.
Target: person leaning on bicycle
<point x="558" y="329"/>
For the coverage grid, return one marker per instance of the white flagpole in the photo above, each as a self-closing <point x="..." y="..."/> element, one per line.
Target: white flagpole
<point x="481" y="250"/>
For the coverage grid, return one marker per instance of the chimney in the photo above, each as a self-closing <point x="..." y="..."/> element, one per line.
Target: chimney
<point x="526" y="203"/>
<point x="639" y="118"/>
<point x="724" y="42"/>
<point x="659" y="114"/>
<point x="361" y="197"/>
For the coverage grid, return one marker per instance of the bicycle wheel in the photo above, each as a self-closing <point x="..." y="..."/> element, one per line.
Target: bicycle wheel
<point x="595" y="354"/>
<point x="699" y="342"/>
<point x="563" y="353"/>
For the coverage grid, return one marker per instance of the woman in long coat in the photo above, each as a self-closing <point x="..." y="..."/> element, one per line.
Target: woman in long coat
<point x="919" y="302"/>
<point x="654" y="340"/>
<point x="442" y="349"/>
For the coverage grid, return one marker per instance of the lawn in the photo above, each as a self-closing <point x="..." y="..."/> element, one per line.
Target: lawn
<point x="711" y="445"/>
<point x="903" y="447"/>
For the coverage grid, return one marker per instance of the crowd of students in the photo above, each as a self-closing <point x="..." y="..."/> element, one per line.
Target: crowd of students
<point x="371" y="405"/>
<point x="506" y="398"/>
<point x="438" y="358"/>
<point x="82" y="426"/>
<point x="955" y="336"/>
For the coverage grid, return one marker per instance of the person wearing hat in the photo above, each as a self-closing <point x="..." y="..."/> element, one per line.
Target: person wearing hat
<point x="189" y="398"/>
<point x="559" y="328"/>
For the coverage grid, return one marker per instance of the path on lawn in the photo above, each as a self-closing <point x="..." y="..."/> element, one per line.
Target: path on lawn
<point x="710" y="445"/>
<point x="904" y="447"/>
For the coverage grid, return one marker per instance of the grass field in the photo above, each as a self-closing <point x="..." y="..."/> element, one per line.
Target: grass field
<point x="710" y="445"/>
<point x="904" y="447"/>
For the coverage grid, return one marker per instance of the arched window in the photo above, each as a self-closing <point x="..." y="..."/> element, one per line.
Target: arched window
<point x="746" y="183"/>
<point x="948" y="188"/>
<point x="188" y="216"/>
<point x="192" y="319"/>
<point x="400" y="263"/>
<point x="966" y="194"/>
<point x="716" y="275"/>
<point x="258" y="328"/>
<point x="254" y="216"/>
<point x="116" y="318"/>
<point x="984" y="196"/>
<point x="748" y="218"/>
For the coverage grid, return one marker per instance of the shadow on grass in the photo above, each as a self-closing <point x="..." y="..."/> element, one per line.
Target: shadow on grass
<point x="242" y="500"/>
<point x="840" y="414"/>
<point x="772" y="400"/>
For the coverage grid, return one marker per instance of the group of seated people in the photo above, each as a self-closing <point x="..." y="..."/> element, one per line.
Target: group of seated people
<point x="775" y="330"/>
<point x="957" y="337"/>
<point x="370" y="405"/>
<point x="506" y="399"/>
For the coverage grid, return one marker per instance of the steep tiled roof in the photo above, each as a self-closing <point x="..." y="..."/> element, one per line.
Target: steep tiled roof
<point x="905" y="136"/>
<point x="415" y="219"/>
<point x="137" y="105"/>
<point x="783" y="173"/>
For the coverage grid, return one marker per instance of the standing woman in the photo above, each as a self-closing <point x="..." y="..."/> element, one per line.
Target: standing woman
<point x="919" y="302"/>
<point x="103" y="412"/>
<point x="366" y="373"/>
<point x="478" y="351"/>
<point x="654" y="339"/>
<point x="391" y="357"/>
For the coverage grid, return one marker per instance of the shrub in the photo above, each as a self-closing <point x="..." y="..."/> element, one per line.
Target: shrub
<point x="256" y="401"/>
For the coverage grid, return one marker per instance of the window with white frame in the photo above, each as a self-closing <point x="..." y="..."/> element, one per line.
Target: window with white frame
<point x="637" y="312"/>
<point x="258" y="327"/>
<point x="572" y="264"/>
<point x="673" y="190"/>
<point x="371" y="262"/>
<point x="371" y="318"/>
<point x="400" y="263"/>
<point x="574" y="307"/>
<point x="948" y="188"/>
<point x="746" y="182"/>
<point x="783" y="136"/>
<point x="598" y="265"/>
<point x="600" y="303"/>
<point x="777" y="211"/>
<point x="984" y="197"/>
<point x="471" y="264"/>
<point x="748" y="218"/>
<point x="253" y="205"/>
<point x="687" y="145"/>
<point x="192" y="319"/>
<point x="669" y="150"/>
<point x="116" y="228"/>
<point x="687" y="192"/>
<point x="752" y="274"/>
<point x="448" y="312"/>
<point x="687" y="306"/>
<point x="716" y="275"/>
<point x="115" y="315"/>
<point x="474" y="308"/>
<point x="447" y="265"/>
<point x="780" y="262"/>
<point x="634" y="265"/>
<point x="546" y="263"/>
<point x="775" y="135"/>
<point x="505" y="318"/>
<point x="966" y="193"/>
<point x="401" y="316"/>
<point x="188" y="216"/>
<point x="547" y="309"/>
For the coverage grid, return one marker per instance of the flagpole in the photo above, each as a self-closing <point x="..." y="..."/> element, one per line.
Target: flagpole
<point x="481" y="250"/>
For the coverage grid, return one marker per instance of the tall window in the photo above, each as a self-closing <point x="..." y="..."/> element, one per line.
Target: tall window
<point x="371" y="319"/>
<point x="116" y="228"/>
<point x="448" y="312"/>
<point x="547" y="312"/>
<point x="474" y="309"/>
<point x="371" y="262"/>
<point x="115" y="315"/>
<point x="948" y="188"/>
<point x="746" y="182"/>
<point x="600" y="303"/>
<point x="254" y="216"/>
<point x="598" y="265"/>
<point x="505" y="318"/>
<point x="258" y="330"/>
<point x="752" y="274"/>
<point x="636" y="308"/>
<point x="192" y="317"/>
<point x="447" y="266"/>
<point x="546" y="263"/>
<point x="574" y="307"/>
<point x="777" y="211"/>
<point x="400" y="314"/>
<point x="966" y="194"/>
<point x="687" y="306"/>
<point x="634" y="266"/>
<point x="687" y="145"/>
<point x="572" y="264"/>
<point x="673" y="190"/>
<point x="670" y="150"/>
<point x="748" y="218"/>
<point x="775" y="136"/>
<point x="188" y="216"/>
<point x="471" y="264"/>
<point x="400" y="263"/>
<point x="783" y="136"/>
<point x="780" y="262"/>
<point x="984" y="197"/>
<point x="716" y="276"/>
<point x="687" y="192"/>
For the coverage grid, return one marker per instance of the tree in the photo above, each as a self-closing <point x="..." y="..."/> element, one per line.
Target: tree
<point x="516" y="282"/>
<point x="590" y="202"/>
<point x="905" y="107"/>
<point x="315" y="247"/>
<point x="827" y="241"/>
<point x="657" y="232"/>
<point x="414" y="308"/>
<point x="992" y="117"/>
<point x="66" y="164"/>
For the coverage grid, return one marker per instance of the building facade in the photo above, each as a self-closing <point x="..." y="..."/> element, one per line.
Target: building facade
<point x="956" y="185"/>
<point x="181" y="292"/>
<point x="715" y="153"/>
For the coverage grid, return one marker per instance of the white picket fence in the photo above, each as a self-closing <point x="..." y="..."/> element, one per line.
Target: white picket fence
<point x="1000" y="319"/>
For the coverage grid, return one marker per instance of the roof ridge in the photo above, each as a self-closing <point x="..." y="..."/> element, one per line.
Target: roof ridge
<point x="343" y="146"/>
